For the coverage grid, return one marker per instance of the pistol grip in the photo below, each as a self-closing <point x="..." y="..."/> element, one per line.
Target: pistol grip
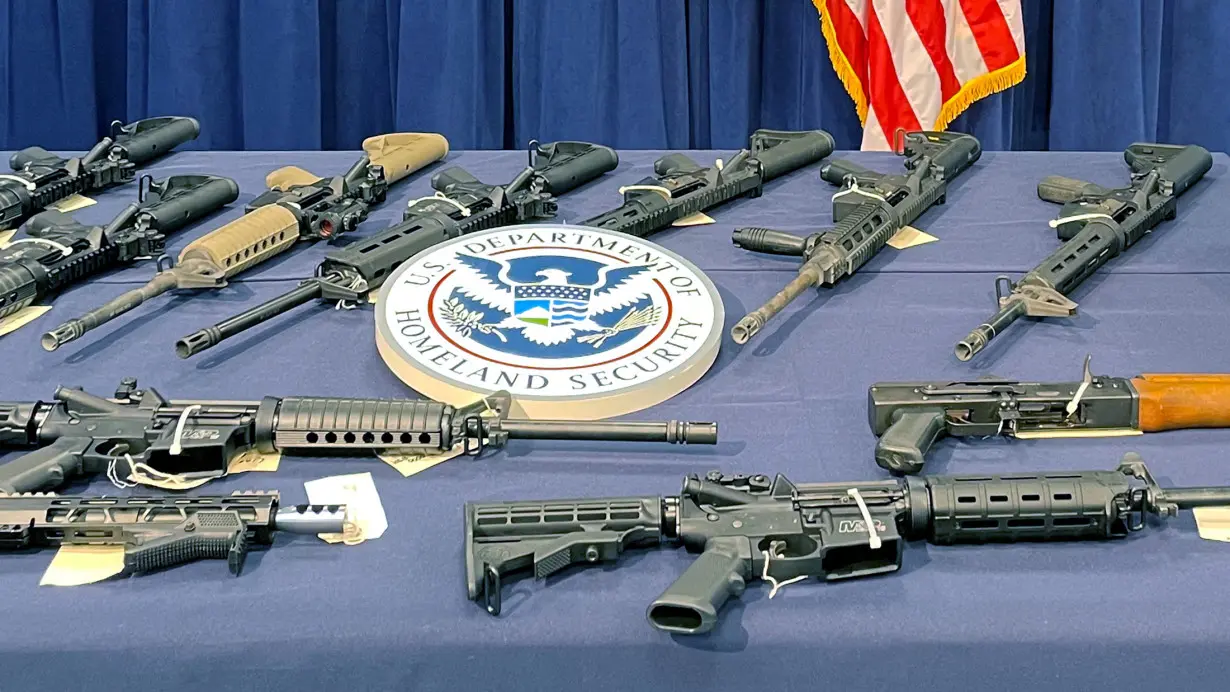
<point x="204" y="535"/>
<point x="904" y="445"/>
<point x="46" y="468"/>
<point x="691" y="604"/>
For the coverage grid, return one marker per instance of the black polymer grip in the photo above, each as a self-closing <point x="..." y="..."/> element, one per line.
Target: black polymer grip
<point x="902" y="448"/>
<point x="564" y="166"/>
<point x="325" y="423"/>
<point x="206" y="535"/>
<point x="690" y="605"/>
<point x="780" y="152"/>
<point x="145" y="140"/>
<point x="770" y="241"/>
<point x="1026" y="507"/>
<point x="836" y="171"/>
<point x="1061" y="190"/>
<point x="183" y="199"/>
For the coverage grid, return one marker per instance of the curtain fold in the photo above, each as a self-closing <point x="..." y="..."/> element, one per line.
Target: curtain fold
<point x="312" y="74"/>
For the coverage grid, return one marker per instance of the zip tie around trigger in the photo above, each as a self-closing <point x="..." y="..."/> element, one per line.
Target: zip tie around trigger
<point x="354" y="284"/>
<point x="646" y="188"/>
<point x="764" y="573"/>
<point x="29" y="185"/>
<point x="873" y="536"/>
<point x="441" y="197"/>
<point x="854" y="189"/>
<point x="64" y="249"/>
<point x="176" y="447"/>
<point x="1086" y="380"/>
<point x="1054" y="223"/>
<point x="114" y="476"/>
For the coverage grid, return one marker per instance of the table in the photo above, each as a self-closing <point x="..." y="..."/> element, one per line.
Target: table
<point x="392" y="613"/>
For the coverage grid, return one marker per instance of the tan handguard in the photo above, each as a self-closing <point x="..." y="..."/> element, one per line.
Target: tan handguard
<point x="287" y="177"/>
<point x="246" y="241"/>
<point x="402" y="153"/>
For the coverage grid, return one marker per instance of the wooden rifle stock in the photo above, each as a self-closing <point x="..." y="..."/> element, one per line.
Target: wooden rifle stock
<point x="1183" y="400"/>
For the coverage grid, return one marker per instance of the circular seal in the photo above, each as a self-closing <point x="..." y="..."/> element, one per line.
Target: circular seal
<point x="575" y="322"/>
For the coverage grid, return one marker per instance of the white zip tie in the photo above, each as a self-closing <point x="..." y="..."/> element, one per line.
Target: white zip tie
<point x="764" y="573"/>
<point x="441" y="197"/>
<point x="114" y="476"/>
<point x="176" y="447"/>
<point x="66" y="250"/>
<point x="29" y="185"/>
<point x="646" y="188"/>
<point x="1086" y="380"/>
<point x="717" y="163"/>
<point x="349" y="304"/>
<point x="1054" y="223"/>
<point x="873" y="536"/>
<point x="854" y="189"/>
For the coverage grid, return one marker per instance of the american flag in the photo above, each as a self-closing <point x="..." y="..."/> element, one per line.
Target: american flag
<point x="917" y="64"/>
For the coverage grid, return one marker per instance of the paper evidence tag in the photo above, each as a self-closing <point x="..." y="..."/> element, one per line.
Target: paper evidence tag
<point x="22" y="317"/>
<point x="1213" y="523"/>
<point x="74" y="565"/>
<point x="363" y="508"/>
<point x="72" y="203"/>
<point x="909" y="237"/>
<point x="700" y="218"/>
<point x="410" y="463"/>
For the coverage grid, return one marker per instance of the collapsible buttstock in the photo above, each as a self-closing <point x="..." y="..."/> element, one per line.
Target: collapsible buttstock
<point x="1183" y="400"/>
<point x="402" y="153"/>
<point x="246" y="241"/>
<point x="287" y="177"/>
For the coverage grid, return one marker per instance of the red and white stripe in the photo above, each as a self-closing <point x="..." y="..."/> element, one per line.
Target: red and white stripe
<point x="916" y="64"/>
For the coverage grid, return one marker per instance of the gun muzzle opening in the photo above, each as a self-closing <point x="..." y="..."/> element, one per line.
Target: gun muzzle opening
<point x="195" y="343"/>
<point x="970" y="346"/>
<point x="61" y="335"/>
<point x="746" y="328"/>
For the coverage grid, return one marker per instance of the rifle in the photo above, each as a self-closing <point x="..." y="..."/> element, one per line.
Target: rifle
<point x="56" y="250"/>
<point x="462" y="205"/>
<point x="297" y="206"/>
<point x="681" y="187"/>
<point x="909" y="417"/>
<point x="41" y="178"/>
<point x="79" y="433"/>
<point x="748" y="527"/>
<point x="1097" y="224"/>
<point x="161" y="532"/>
<point x="869" y="209"/>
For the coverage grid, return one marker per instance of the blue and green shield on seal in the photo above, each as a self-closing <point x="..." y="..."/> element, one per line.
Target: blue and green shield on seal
<point x="550" y="305"/>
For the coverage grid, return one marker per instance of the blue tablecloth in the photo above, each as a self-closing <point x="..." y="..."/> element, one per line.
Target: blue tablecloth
<point x="392" y="613"/>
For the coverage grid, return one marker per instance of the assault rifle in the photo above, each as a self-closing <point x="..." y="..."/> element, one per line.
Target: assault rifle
<point x="297" y="206"/>
<point x="1097" y="224"/>
<point x="751" y="527"/>
<point x="80" y="433"/>
<point x="161" y="532"/>
<point x="40" y="178"/>
<point x="681" y="187"/>
<point x="56" y="250"/>
<point x="910" y="416"/>
<point x="869" y="209"/>
<point x="461" y="206"/>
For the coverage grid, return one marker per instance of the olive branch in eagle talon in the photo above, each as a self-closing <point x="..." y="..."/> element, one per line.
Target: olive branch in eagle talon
<point x="466" y="322"/>
<point x="632" y="319"/>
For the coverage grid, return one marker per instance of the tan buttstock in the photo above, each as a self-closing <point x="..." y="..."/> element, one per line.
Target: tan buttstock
<point x="246" y="241"/>
<point x="288" y="176"/>
<point x="402" y="153"/>
<point x="1183" y="400"/>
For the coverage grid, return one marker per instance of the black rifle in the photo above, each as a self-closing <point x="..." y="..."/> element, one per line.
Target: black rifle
<point x="79" y="433"/>
<point x="56" y="250"/>
<point x="41" y="178"/>
<point x="1097" y="224"/>
<point x="869" y="209"/>
<point x="681" y="187"/>
<point x="463" y="205"/>
<point x="909" y="417"/>
<point x="299" y="206"/>
<point x="749" y="528"/>
<point x="161" y="532"/>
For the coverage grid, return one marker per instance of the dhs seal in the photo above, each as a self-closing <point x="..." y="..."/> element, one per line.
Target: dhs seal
<point x="575" y="322"/>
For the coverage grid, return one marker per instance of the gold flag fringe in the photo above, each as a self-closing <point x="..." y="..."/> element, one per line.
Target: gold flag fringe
<point x="976" y="88"/>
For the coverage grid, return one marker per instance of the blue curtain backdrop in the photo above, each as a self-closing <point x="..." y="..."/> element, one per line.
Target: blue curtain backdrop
<point x="323" y="74"/>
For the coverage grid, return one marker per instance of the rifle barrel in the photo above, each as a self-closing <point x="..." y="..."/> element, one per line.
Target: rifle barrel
<point x="76" y="328"/>
<point x="983" y="333"/>
<point x="673" y="431"/>
<point x="212" y="336"/>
